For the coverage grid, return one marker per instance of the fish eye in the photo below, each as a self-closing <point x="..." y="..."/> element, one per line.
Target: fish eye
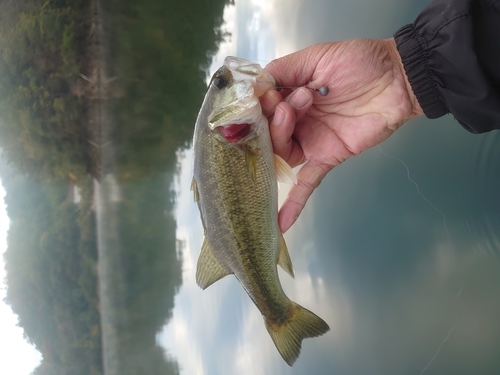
<point x="220" y="82"/>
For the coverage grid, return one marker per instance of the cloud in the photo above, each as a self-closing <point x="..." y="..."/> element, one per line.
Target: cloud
<point x="260" y="31"/>
<point x="18" y="356"/>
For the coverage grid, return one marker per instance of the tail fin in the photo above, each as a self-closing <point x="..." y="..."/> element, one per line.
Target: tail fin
<point x="288" y="336"/>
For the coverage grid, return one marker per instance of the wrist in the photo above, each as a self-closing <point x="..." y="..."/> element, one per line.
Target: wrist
<point x="398" y="63"/>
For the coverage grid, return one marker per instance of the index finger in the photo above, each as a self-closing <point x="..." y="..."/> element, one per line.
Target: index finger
<point x="289" y="71"/>
<point x="295" y="69"/>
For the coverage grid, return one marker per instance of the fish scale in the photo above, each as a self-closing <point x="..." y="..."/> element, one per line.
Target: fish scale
<point x="235" y="186"/>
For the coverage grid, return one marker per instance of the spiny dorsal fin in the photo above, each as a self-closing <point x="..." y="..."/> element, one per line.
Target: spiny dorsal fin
<point x="208" y="269"/>
<point x="288" y="334"/>
<point x="284" y="258"/>
<point x="194" y="189"/>
<point x="284" y="172"/>
<point x="251" y="161"/>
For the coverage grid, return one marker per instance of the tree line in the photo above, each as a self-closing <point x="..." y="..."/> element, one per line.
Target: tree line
<point x="157" y="53"/>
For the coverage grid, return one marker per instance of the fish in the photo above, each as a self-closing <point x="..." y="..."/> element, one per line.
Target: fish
<point x="235" y="184"/>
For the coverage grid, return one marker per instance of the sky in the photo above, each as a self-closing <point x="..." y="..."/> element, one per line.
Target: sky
<point x="255" y="27"/>
<point x="17" y="356"/>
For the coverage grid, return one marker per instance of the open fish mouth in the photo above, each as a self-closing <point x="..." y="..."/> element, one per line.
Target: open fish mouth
<point x="234" y="132"/>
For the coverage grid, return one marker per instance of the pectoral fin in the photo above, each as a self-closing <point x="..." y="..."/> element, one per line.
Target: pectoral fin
<point x="284" y="172"/>
<point x="208" y="269"/>
<point x="284" y="258"/>
<point x="251" y="161"/>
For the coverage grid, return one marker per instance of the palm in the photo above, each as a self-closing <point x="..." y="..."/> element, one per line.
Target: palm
<point x="367" y="95"/>
<point x="367" y="102"/>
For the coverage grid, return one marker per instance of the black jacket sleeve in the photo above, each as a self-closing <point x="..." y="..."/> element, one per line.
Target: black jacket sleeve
<point x="451" y="54"/>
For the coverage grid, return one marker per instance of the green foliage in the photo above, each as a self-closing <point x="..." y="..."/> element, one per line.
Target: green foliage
<point x="160" y="51"/>
<point x="40" y="51"/>
<point x="155" y="53"/>
<point x="51" y="280"/>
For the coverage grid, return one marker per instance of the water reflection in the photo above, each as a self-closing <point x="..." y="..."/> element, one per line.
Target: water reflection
<point x="405" y="275"/>
<point x="413" y="277"/>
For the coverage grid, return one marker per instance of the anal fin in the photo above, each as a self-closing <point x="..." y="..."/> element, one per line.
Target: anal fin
<point x="208" y="269"/>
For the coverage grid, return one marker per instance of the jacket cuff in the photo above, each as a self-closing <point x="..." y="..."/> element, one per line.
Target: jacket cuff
<point x="418" y="72"/>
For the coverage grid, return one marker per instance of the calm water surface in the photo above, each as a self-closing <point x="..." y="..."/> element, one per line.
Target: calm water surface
<point x="398" y="249"/>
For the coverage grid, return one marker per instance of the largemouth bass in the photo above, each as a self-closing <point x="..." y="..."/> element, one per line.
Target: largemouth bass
<point x="235" y="185"/>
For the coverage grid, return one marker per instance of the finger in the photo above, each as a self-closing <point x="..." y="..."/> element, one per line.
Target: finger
<point x="284" y="122"/>
<point x="301" y="100"/>
<point x="295" y="69"/>
<point x="309" y="178"/>
<point x="281" y="128"/>
<point x="269" y="101"/>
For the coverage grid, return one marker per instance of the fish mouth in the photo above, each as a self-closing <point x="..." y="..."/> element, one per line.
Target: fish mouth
<point x="234" y="132"/>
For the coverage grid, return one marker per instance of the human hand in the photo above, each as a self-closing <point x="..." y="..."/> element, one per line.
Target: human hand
<point x="369" y="98"/>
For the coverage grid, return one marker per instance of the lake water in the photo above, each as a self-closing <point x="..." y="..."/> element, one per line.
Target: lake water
<point x="398" y="249"/>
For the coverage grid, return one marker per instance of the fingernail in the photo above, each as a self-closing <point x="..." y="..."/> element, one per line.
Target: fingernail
<point x="279" y="116"/>
<point x="299" y="98"/>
